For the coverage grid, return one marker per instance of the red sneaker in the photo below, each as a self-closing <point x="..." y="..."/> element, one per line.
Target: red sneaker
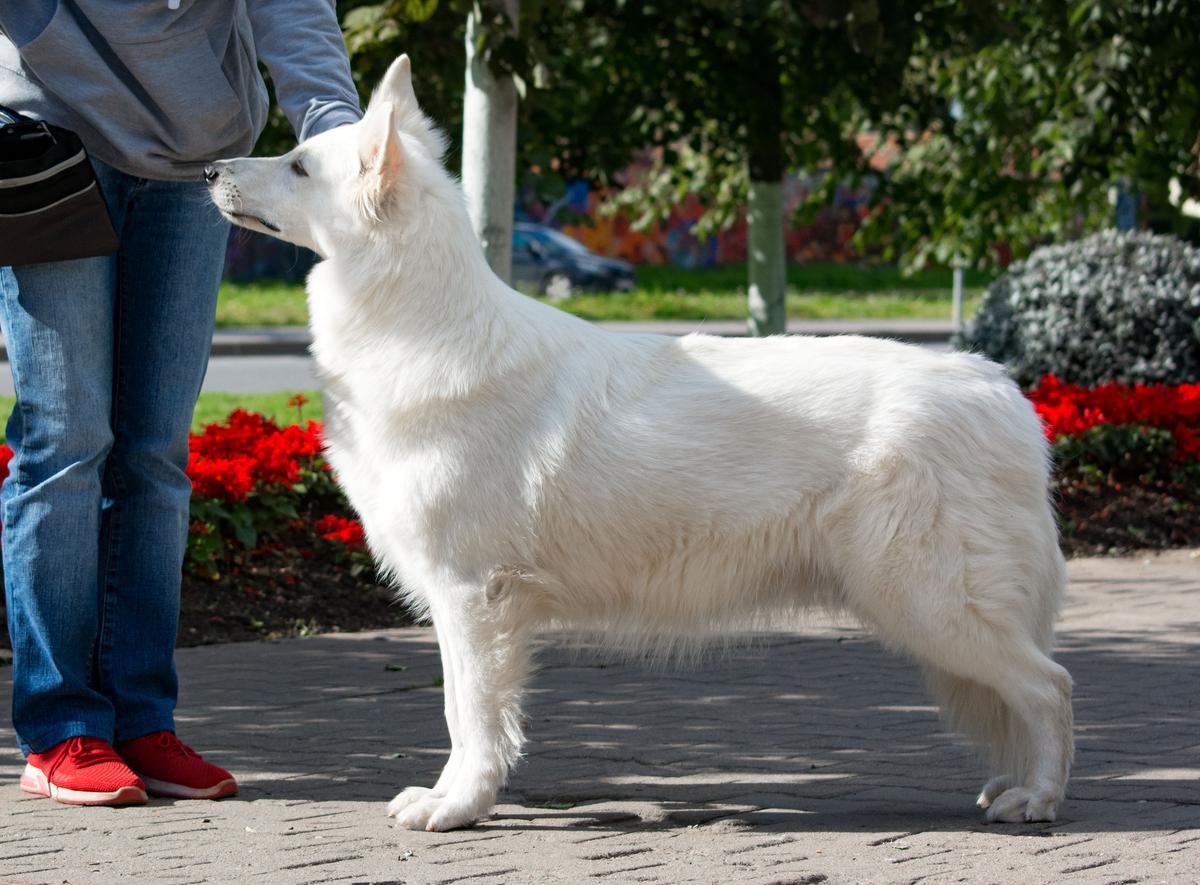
<point x="82" y="771"/>
<point x="172" y="768"/>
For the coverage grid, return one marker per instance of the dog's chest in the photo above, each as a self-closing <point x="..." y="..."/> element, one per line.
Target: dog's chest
<point x="427" y="494"/>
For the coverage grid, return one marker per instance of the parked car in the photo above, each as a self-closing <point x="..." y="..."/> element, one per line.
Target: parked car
<point x="550" y="263"/>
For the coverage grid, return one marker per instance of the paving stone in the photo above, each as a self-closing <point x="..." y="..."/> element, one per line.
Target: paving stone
<point x="805" y="757"/>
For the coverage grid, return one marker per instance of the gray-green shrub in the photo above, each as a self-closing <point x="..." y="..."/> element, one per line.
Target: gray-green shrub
<point x="1112" y="307"/>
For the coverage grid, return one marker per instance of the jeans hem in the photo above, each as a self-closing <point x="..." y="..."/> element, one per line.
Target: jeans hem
<point x="142" y="727"/>
<point x="44" y="740"/>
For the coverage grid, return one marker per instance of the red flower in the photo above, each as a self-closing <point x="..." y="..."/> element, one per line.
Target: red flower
<point x="1068" y="409"/>
<point x="5" y="456"/>
<point x="1187" y="443"/>
<point x="337" y="528"/>
<point x="229" y="460"/>
<point x="229" y="479"/>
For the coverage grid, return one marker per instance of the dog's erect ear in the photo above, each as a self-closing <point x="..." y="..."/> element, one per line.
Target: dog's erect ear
<point x="379" y="154"/>
<point x="396" y="86"/>
<point x="378" y="141"/>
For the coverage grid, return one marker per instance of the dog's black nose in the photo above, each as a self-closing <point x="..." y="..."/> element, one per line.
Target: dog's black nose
<point x="211" y="174"/>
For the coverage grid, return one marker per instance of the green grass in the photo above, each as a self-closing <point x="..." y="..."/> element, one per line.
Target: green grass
<point x="216" y="406"/>
<point x="261" y="304"/>
<point x="816" y="276"/>
<point x="815" y="291"/>
<point x="644" y="305"/>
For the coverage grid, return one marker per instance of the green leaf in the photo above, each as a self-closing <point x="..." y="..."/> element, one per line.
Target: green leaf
<point x="242" y="521"/>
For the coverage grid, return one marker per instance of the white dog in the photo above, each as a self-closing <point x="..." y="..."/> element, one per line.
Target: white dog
<point x="518" y="468"/>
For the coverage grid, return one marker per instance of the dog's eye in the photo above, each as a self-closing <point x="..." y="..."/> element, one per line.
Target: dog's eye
<point x="299" y="169"/>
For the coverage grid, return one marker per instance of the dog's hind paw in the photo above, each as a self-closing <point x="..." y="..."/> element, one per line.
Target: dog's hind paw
<point x="1020" y="805"/>
<point x="406" y="797"/>
<point x="992" y="789"/>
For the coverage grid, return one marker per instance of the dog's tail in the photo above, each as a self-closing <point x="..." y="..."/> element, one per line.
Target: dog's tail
<point x="979" y="713"/>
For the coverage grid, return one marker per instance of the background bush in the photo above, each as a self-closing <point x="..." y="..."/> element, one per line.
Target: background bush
<point x="1113" y="307"/>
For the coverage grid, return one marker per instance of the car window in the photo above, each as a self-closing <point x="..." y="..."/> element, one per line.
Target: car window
<point x="562" y="241"/>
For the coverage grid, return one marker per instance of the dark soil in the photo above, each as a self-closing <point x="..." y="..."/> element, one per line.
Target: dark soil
<point x="278" y="593"/>
<point x="285" y="595"/>
<point x="304" y="590"/>
<point x="1099" y="518"/>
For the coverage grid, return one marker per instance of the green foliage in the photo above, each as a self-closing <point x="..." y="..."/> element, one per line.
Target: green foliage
<point x="721" y="87"/>
<point x="214" y="523"/>
<point x="1017" y="121"/>
<point x="1118" y="452"/>
<point x="1005" y="123"/>
<point x="720" y="179"/>
<point x="1112" y="307"/>
<point x="723" y="90"/>
<point x="431" y="32"/>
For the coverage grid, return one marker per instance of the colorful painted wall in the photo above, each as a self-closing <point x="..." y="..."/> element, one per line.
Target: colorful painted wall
<point x="828" y="238"/>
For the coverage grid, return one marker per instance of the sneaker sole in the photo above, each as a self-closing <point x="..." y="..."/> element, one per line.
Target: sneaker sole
<point x="168" y="790"/>
<point x="34" y="782"/>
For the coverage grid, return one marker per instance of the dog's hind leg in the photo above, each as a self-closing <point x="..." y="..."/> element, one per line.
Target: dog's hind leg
<point x="962" y="571"/>
<point x="973" y="600"/>
<point x="1008" y="697"/>
<point x="1038" y="693"/>
<point x="995" y="684"/>
<point x="489" y="662"/>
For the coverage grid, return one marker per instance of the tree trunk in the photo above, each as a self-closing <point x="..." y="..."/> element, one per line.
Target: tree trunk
<point x="489" y="149"/>
<point x="766" y="257"/>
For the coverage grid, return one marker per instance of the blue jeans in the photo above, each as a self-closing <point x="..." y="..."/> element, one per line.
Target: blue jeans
<point x="108" y="355"/>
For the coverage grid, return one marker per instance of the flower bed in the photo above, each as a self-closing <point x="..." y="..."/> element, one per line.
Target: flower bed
<point x="274" y="549"/>
<point x="252" y="479"/>
<point x="1127" y="463"/>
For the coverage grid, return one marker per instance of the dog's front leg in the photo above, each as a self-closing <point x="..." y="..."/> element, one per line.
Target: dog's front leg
<point x="485" y="664"/>
<point x="411" y="795"/>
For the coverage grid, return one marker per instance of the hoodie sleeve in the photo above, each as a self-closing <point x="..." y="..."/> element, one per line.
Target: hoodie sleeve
<point x="302" y="46"/>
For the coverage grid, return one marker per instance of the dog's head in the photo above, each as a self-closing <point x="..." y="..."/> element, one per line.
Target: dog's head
<point x="343" y="185"/>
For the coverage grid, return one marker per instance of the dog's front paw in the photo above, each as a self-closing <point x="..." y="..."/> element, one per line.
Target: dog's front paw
<point x="406" y="797"/>
<point x="452" y="815"/>
<point x="436" y="814"/>
<point x="1019" y="805"/>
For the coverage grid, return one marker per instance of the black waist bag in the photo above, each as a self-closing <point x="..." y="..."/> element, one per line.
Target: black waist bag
<point x="51" y="208"/>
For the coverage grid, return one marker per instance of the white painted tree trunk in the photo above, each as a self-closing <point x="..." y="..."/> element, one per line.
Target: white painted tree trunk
<point x="956" y="301"/>
<point x="766" y="259"/>
<point x="489" y="149"/>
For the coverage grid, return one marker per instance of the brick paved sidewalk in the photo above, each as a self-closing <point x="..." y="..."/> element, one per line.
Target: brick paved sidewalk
<point x="810" y="757"/>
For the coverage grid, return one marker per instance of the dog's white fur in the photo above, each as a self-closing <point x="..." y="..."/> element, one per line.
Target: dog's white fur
<point x="518" y="468"/>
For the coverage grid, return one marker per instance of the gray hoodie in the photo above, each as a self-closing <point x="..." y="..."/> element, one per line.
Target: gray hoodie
<point x="158" y="88"/>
